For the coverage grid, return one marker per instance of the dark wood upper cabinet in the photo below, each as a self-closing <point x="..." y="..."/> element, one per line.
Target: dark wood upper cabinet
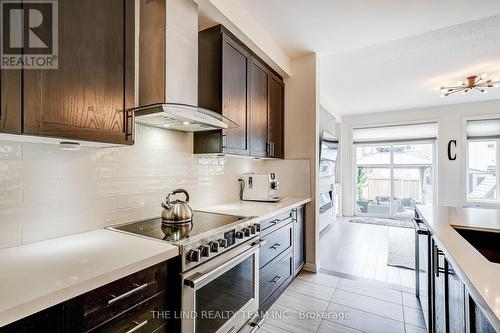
<point x="276" y="117"/>
<point x="236" y="83"/>
<point x="223" y="87"/>
<point x="259" y="96"/>
<point x="89" y="96"/>
<point x="10" y="101"/>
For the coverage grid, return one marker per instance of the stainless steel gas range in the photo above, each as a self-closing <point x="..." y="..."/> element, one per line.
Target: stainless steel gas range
<point x="218" y="268"/>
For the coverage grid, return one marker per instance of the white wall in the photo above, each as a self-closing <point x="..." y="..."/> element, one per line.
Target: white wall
<point x="46" y="192"/>
<point x="451" y="125"/>
<point x="301" y="135"/>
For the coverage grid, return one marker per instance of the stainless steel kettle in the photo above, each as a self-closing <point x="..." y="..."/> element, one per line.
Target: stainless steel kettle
<point x="177" y="211"/>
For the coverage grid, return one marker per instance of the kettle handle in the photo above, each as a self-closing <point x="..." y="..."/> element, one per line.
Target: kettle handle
<point x="179" y="190"/>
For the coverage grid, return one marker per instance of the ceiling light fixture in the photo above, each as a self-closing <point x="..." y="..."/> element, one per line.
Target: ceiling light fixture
<point x="473" y="83"/>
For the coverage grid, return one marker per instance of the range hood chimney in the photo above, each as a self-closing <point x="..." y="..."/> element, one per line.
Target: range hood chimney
<point x="168" y="68"/>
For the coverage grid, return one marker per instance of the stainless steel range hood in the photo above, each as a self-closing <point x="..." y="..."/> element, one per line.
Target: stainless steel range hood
<point x="181" y="117"/>
<point x="168" y="69"/>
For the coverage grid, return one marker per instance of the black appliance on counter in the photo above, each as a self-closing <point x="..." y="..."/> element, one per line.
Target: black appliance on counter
<point x="217" y="270"/>
<point x="423" y="267"/>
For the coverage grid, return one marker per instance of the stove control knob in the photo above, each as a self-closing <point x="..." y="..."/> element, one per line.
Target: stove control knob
<point x="247" y="231"/>
<point x="214" y="246"/>
<point x="253" y="229"/>
<point x="205" y="250"/>
<point x="239" y="234"/>
<point x="222" y="242"/>
<point x="193" y="255"/>
<point x="257" y="227"/>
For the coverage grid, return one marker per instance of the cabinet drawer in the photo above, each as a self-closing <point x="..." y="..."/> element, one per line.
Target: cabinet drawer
<point x="275" y="220"/>
<point x="273" y="276"/>
<point x="104" y="303"/>
<point x="142" y="319"/>
<point x="277" y="242"/>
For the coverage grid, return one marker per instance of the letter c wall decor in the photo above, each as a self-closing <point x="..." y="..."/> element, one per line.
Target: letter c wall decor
<point x="452" y="155"/>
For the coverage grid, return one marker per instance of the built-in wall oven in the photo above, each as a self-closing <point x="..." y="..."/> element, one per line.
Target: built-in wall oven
<point x="423" y="265"/>
<point x="222" y="293"/>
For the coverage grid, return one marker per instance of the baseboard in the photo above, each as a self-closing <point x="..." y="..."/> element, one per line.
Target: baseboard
<point x="311" y="267"/>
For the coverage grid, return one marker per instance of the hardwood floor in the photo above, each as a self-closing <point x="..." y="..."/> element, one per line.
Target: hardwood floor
<point x="361" y="250"/>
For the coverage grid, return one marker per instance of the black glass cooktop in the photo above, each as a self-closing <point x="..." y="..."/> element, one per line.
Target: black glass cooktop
<point x="202" y="222"/>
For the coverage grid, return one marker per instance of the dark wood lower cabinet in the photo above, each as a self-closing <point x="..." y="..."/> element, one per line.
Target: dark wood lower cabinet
<point x="440" y="292"/>
<point x="138" y="302"/>
<point x="478" y="322"/>
<point x="455" y="301"/>
<point x="49" y="320"/>
<point x="282" y="257"/>
<point x="453" y="310"/>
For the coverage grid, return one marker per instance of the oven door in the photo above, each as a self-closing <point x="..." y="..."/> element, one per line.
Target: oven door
<point x="222" y="294"/>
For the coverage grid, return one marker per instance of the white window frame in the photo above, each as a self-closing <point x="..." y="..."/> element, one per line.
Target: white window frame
<point x="467" y="200"/>
<point x="391" y="167"/>
<point x="497" y="172"/>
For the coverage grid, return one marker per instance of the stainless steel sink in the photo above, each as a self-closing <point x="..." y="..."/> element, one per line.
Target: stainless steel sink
<point x="486" y="242"/>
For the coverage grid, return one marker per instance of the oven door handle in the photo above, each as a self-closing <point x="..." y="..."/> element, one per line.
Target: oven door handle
<point x="198" y="279"/>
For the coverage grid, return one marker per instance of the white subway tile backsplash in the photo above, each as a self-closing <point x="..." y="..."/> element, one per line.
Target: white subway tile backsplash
<point x="141" y="199"/>
<point x="47" y="192"/>
<point x="11" y="191"/>
<point x="88" y="207"/>
<point x="10" y="234"/>
<point x="38" y="190"/>
<point x="10" y="151"/>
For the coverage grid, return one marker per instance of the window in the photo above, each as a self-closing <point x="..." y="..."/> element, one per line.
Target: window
<point x="392" y="179"/>
<point x="393" y="169"/>
<point x="483" y="149"/>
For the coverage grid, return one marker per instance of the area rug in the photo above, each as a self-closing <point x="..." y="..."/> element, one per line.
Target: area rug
<point x="401" y="248"/>
<point x="378" y="221"/>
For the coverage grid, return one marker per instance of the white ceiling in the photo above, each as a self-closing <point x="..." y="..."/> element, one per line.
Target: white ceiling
<point x="387" y="54"/>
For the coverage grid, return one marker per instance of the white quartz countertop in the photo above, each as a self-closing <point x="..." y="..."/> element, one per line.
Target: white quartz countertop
<point x="481" y="276"/>
<point x="261" y="210"/>
<point x="36" y="276"/>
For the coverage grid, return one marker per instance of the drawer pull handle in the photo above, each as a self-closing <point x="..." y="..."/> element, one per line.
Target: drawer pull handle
<point x="274" y="222"/>
<point x="277" y="279"/>
<point x="138" y="325"/>
<point x="128" y="293"/>
<point x="275" y="246"/>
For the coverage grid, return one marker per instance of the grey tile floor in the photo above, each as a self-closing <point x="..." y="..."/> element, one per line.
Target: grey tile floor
<point x="324" y="303"/>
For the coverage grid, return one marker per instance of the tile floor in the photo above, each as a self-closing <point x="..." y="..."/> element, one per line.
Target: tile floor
<point x="361" y="250"/>
<point x="328" y="304"/>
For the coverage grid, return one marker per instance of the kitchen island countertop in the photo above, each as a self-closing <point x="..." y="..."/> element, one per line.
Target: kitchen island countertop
<point x="480" y="276"/>
<point x="39" y="275"/>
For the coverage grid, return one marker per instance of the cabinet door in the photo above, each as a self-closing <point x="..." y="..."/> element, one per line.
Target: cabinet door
<point x="10" y="101"/>
<point x="455" y="300"/>
<point x="88" y="96"/>
<point x="258" y="109"/>
<point x="235" y="103"/>
<point x="478" y="321"/>
<point x="440" y="292"/>
<point x="276" y="117"/>
<point x="298" y="245"/>
<point x="48" y="320"/>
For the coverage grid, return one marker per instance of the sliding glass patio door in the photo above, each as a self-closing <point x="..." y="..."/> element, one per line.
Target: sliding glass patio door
<point x="391" y="178"/>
